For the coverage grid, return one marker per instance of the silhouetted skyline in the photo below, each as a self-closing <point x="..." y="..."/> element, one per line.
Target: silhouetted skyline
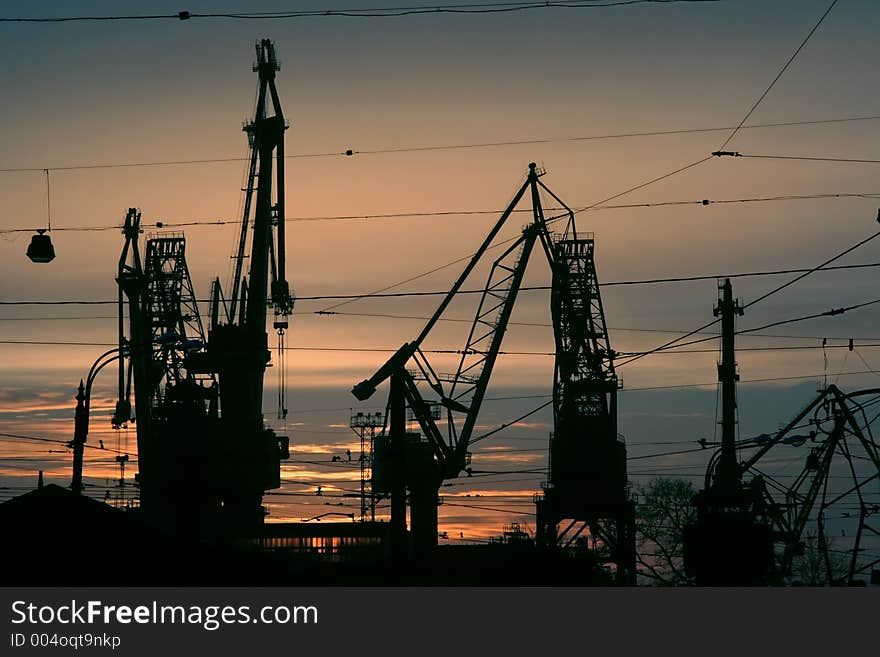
<point x="116" y="93"/>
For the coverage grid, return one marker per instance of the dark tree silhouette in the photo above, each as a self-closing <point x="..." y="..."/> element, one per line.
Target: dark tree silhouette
<point x="811" y="568"/>
<point x="664" y="508"/>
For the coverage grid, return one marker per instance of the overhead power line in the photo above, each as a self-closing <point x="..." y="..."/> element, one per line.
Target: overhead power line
<point x="772" y="379"/>
<point x="652" y="181"/>
<point x="674" y="386"/>
<point x="672" y="351"/>
<point x="530" y="288"/>
<point x="17" y="436"/>
<point x="763" y="297"/>
<point x="57" y="318"/>
<point x="778" y="75"/>
<point x="549" y="325"/>
<point x="162" y="224"/>
<point x="811" y="347"/>
<point x="391" y="150"/>
<point x="73" y="343"/>
<point x="379" y="12"/>
<point x="549" y="220"/>
<point x="489" y="508"/>
<point x="828" y="313"/>
<point x="602" y="202"/>
<point x="803" y="275"/>
<point x="795" y="157"/>
<point x="465" y="320"/>
<point x="663" y="387"/>
<point x="508" y="241"/>
<point x="661" y="454"/>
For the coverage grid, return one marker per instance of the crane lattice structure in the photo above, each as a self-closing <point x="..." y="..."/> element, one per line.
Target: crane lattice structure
<point x="587" y="485"/>
<point x="584" y="391"/>
<point x="165" y="332"/>
<point x="175" y="324"/>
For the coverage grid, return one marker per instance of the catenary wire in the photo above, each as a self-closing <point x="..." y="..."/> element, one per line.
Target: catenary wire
<point x="162" y="224"/>
<point x="380" y="12"/>
<point x="778" y="76"/>
<point x="806" y="158"/>
<point x="379" y="295"/>
<point x="763" y="297"/>
<point x="388" y="150"/>
<point x="828" y="313"/>
<point x="548" y="221"/>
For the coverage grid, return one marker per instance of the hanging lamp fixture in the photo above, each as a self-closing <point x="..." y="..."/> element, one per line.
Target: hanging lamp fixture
<point x="40" y="249"/>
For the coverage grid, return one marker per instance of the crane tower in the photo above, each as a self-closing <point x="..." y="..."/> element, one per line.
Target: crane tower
<point x="588" y="483"/>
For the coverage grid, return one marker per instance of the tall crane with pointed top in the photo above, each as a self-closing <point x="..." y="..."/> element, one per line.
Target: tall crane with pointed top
<point x="587" y="484"/>
<point x="237" y="349"/>
<point x="205" y="454"/>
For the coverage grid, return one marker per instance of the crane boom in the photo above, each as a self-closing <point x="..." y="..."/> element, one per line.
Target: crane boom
<point x="464" y="392"/>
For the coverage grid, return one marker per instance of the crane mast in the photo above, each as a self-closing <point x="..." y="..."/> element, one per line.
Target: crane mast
<point x="266" y="139"/>
<point x="237" y="350"/>
<point x="587" y="485"/>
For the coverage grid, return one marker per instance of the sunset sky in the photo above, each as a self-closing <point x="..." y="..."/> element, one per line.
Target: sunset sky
<point x="82" y="94"/>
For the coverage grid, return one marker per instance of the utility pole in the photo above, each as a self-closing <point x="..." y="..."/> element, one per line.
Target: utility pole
<point x="728" y="308"/>
<point x="80" y="431"/>
<point x="730" y="541"/>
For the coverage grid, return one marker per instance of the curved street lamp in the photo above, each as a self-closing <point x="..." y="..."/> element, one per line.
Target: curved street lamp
<point x="81" y="418"/>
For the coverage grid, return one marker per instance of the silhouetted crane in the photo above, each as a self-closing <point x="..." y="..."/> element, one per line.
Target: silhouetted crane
<point x="205" y="455"/>
<point x="588" y="466"/>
